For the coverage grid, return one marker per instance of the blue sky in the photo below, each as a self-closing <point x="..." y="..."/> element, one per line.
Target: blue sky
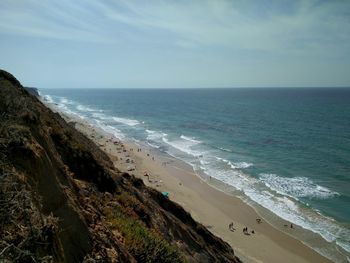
<point x="166" y="44"/>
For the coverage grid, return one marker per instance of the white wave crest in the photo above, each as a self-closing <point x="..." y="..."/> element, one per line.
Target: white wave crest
<point x="296" y="187"/>
<point x="86" y="108"/>
<point x="189" y="139"/>
<point x="153" y="145"/>
<point x="155" y="136"/>
<point x="102" y="116"/>
<point x="126" y="121"/>
<point x="111" y="130"/>
<point x="48" y="99"/>
<point x="242" y="165"/>
<point x="225" y="150"/>
<point x="238" y="165"/>
<point x="64" y="100"/>
<point x="184" y="146"/>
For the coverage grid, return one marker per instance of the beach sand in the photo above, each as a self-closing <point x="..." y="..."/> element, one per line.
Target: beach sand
<point x="209" y="206"/>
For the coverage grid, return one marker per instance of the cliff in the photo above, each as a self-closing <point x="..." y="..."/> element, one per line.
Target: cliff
<point x="62" y="200"/>
<point x="33" y="91"/>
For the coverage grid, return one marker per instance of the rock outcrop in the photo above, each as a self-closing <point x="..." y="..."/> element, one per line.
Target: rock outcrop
<point x="62" y="200"/>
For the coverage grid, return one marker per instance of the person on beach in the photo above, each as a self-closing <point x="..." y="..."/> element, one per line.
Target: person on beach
<point x="245" y="231"/>
<point x="147" y="175"/>
<point x="230" y="227"/>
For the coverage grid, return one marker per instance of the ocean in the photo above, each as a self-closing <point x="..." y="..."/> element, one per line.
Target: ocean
<point x="286" y="151"/>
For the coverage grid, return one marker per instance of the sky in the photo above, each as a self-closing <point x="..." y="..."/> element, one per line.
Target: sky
<point x="176" y="44"/>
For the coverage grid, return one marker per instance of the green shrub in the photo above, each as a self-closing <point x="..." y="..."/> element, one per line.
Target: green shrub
<point x="143" y="243"/>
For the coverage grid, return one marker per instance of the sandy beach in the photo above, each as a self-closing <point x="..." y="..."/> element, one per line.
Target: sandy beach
<point x="209" y="206"/>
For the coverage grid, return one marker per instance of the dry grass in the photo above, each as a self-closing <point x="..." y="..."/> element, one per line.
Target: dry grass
<point x="25" y="234"/>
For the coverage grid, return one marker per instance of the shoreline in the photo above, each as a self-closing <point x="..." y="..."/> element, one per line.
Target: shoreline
<point x="208" y="205"/>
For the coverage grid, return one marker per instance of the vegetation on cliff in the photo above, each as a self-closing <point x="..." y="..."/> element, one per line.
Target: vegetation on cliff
<point x="61" y="199"/>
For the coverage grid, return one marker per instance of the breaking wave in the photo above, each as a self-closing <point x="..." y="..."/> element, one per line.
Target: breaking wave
<point x="296" y="187"/>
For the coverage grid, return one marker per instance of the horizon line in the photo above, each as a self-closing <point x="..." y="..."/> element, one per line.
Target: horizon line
<point x="192" y="88"/>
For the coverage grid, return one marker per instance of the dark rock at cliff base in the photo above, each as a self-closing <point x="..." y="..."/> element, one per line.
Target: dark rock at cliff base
<point x="62" y="200"/>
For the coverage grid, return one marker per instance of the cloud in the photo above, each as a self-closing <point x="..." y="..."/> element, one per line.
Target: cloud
<point x="308" y="25"/>
<point x="296" y="26"/>
<point x="66" y="20"/>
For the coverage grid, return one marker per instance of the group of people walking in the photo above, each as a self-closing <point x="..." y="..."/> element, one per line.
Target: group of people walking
<point x="245" y="229"/>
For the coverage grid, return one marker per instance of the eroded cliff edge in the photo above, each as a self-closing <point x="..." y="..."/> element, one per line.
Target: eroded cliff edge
<point x="62" y="200"/>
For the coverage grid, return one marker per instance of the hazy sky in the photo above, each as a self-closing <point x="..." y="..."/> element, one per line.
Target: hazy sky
<point x="122" y="44"/>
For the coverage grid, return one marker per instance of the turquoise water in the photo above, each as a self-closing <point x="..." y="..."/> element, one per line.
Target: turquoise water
<point x="287" y="150"/>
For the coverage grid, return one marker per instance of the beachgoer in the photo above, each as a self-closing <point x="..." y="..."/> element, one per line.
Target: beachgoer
<point x="291" y="226"/>
<point x="231" y="227"/>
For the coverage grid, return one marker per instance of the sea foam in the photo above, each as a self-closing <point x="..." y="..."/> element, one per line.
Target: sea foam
<point x="296" y="187"/>
<point x="190" y="139"/>
<point x="48" y="98"/>
<point x="109" y="118"/>
<point x="184" y="144"/>
<point x="235" y="165"/>
<point x="86" y="108"/>
<point x="110" y="130"/>
<point x="126" y="121"/>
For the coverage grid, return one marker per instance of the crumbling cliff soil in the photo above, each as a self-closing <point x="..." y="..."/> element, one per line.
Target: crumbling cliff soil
<point x="61" y="199"/>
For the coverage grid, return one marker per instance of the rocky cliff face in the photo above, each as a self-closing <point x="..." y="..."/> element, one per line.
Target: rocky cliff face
<point x="32" y="91"/>
<point x="61" y="199"/>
